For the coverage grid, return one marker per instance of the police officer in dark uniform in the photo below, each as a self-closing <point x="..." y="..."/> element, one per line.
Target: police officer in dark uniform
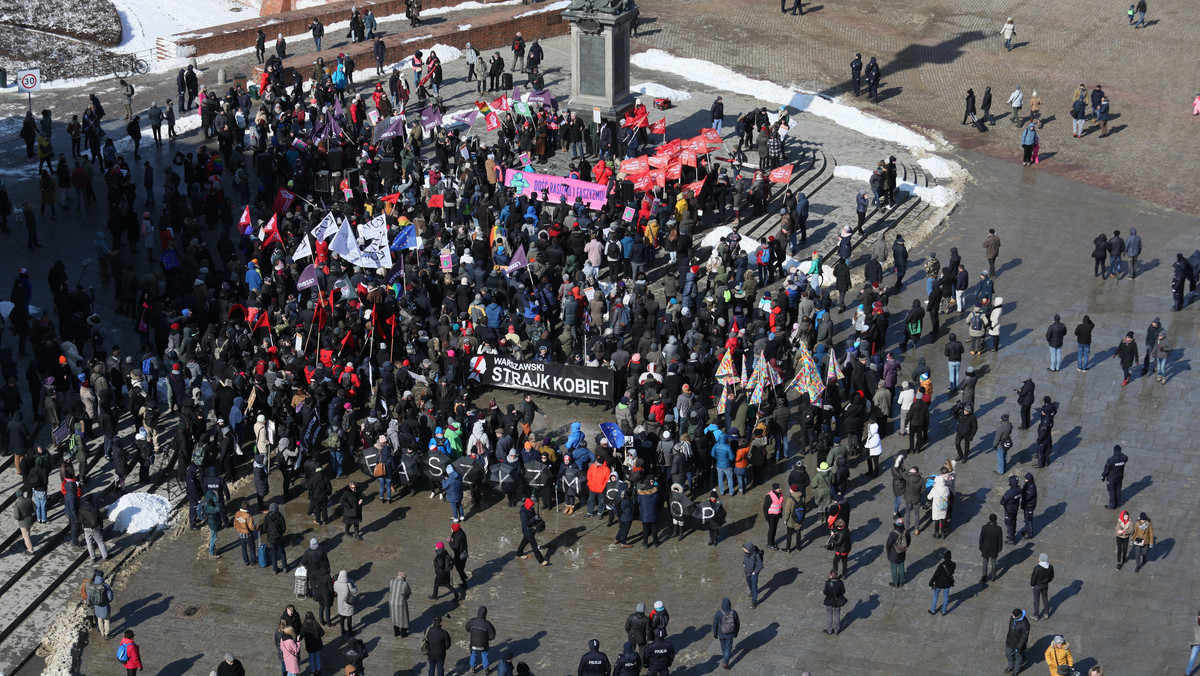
<point x="1011" y="502"/>
<point x="856" y="73"/>
<point x="1114" y="474"/>
<point x="594" y="662"/>
<point x="659" y="654"/>
<point x="873" y="76"/>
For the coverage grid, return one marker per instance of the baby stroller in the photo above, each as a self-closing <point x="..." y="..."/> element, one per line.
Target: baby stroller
<point x="301" y="588"/>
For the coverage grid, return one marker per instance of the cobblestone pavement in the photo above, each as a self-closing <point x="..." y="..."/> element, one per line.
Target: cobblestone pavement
<point x="931" y="51"/>
<point x="188" y="610"/>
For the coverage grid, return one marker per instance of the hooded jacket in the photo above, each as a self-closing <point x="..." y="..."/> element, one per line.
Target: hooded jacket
<point x="594" y="662"/>
<point x="1011" y="502"/>
<point x="726" y="609"/>
<point x="482" y="632"/>
<point x="1018" y="632"/>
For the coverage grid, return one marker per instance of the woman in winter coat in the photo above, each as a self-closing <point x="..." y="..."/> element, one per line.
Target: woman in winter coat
<point x="939" y="499"/>
<point x="898" y="482"/>
<point x="290" y="647"/>
<point x="1059" y="654"/>
<point x="942" y="583"/>
<point x="839" y="541"/>
<point x="398" y="604"/>
<point x="1099" y="254"/>
<point x="874" y="447"/>
<point x="993" y="323"/>
<point x="312" y="635"/>
<point x="1123" y="531"/>
<point x="344" y="589"/>
<point x="1142" y="539"/>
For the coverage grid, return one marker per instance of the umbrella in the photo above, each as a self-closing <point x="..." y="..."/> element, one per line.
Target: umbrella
<point x="681" y="506"/>
<point x="537" y="474"/>
<point x="571" y="480"/>
<point x="367" y="459"/>
<point x="408" y="468"/>
<point x="503" y="476"/>
<point x="469" y="470"/>
<point x="705" y="513"/>
<point x="434" y="465"/>
<point x="613" y="491"/>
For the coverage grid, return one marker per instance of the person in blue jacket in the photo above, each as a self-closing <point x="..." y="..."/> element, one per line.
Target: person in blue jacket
<point x="647" y="498"/>
<point x="453" y="488"/>
<point x="1028" y="140"/>
<point x="722" y="454"/>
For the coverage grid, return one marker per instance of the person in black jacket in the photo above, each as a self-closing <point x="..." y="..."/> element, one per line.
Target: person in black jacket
<point x="1045" y="438"/>
<point x="594" y="662"/>
<point x="319" y="491"/>
<point x="629" y="663"/>
<point x="1025" y="401"/>
<point x="1011" y="502"/>
<point x="1039" y="580"/>
<point x="1028" y="504"/>
<point x="726" y="626"/>
<point x="991" y="541"/>
<point x="659" y="654"/>
<point x="942" y="583"/>
<point x="954" y="352"/>
<point x="637" y="627"/>
<point x="529" y="519"/>
<point x="896" y="547"/>
<point x="439" y="643"/>
<point x="482" y="634"/>
<point x="835" y="599"/>
<point x="442" y="566"/>
<point x="458" y="547"/>
<point x="964" y="433"/>
<point x="717" y="114"/>
<point x="1054" y="338"/>
<point x="1015" y="641"/>
<point x="1113" y="475"/>
<point x="1083" y="337"/>
<point x="351" y="503"/>
<point x="274" y="530"/>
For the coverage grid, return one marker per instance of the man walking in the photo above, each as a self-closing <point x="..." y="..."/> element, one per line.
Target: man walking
<point x="717" y="114"/>
<point x="1001" y="442"/>
<point x="897" y="549"/>
<point x="1029" y="497"/>
<point x="1113" y="475"/>
<point x="1127" y="352"/>
<point x="529" y="524"/>
<point x="772" y="512"/>
<point x="991" y="248"/>
<point x="1045" y="433"/>
<point x="752" y="565"/>
<point x="482" y="633"/>
<point x="1016" y="641"/>
<point x="954" y="352"/>
<point x="1133" y="249"/>
<point x="1116" y="249"/>
<point x="1054" y="339"/>
<point x="1016" y="100"/>
<point x="991" y="542"/>
<point x="964" y="434"/>
<point x="318" y="32"/>
<point x="1039" y="580"/>
<point x="725" y="626"/>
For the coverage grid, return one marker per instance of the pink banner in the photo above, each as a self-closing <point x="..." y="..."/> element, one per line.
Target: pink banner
<point x="593" y="195"/>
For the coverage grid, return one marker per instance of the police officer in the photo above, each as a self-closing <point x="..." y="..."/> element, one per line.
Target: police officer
<point x="1114" y="474"/>
<point x="594" y="662"/>
<point x="659" y="654"/>
<point x="873" y="76"/>
<point x="856" y="73"/>
<point x="1028" y="504"/>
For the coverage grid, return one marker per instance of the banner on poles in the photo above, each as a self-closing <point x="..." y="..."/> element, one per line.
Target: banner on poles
<point x="594" y="195"/>
<point x="556" y="380"/>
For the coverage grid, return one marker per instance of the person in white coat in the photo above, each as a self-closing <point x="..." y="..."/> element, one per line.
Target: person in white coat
<point x="874" y="446"/>
<point x="939" y="500"/>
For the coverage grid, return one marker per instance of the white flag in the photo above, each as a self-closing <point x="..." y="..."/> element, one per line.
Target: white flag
<point x="345" y="245"/>
<point x="325" y="229"/>
<point x="303" y="251"/>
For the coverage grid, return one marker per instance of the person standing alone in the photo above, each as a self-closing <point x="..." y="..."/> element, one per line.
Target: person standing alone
<point x="1008" y="31"/>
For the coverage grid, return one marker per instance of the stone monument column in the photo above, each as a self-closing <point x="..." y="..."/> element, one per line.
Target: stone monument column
<point x="600" y="56"/>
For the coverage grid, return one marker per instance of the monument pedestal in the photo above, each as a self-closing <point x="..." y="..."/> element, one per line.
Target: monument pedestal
<point x="600" y="62"/>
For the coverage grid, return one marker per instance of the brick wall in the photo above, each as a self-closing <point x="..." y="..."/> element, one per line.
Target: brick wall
<point x="241" y="34"/>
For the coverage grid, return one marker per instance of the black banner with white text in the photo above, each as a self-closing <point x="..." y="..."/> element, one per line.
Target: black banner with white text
<point x="556" y="380"/>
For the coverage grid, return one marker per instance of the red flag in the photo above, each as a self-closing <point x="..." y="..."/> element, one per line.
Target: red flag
<point x="236" y="309"/>
<point x="671" y="148"/>
<point x="283" y="201"/>
<point x="271" y="233"/>
<point x="492" y="120"/>
<point x="262" y="323"/>
<point x="643" y="181"/>
<point x="483" y="107"/>
<point x="391" y="199"/>
<point x="437" y="201"/>
<point x="711" y="135"/>
<point x="659" y="161"/>
<point x="781" y="174"/>
<point x="244" y="221"/>
<point x="674" y="170"/>
<point x="635" y="165"/>
<point x="659" y="177"/>
<point x="659" y="127"/>
<point x="641" y="118"/>
<point x="696" y="145"/>
<point x="349" y="335"/>
<point x="501" y="103"/>
<point x="688" y="157"/>
<point x="694" y="187"/>
<point x="251" y="315"/>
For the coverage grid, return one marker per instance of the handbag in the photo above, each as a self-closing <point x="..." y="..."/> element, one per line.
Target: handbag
<point x="425" y="643"/>
<point x="379" y="470"/>
<point x="1006" y="443"/>
<point x="1064" y="670"/>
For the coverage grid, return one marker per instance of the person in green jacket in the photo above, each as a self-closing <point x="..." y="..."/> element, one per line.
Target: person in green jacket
<point x="23" y="514"/>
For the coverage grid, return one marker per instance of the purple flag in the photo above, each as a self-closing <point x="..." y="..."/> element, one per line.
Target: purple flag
<point x="389" y="128"/>
<point x="430" y="118"/>
<point x="519" y="260"/>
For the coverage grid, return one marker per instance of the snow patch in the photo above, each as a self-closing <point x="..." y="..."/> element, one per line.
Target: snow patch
<point x="417" y="39"/>
<point x="938" y="167"/>
<point x="938" y="196"/>
<point x="552" y="7"/>
<point x="713" y="238"/>
<point x="719" y="77"/>
<point x="145" y="20"/>
<point x="660" y="91"/>
<point x="139" y="513"/>
<point x="470" y="4"/>
<point x="464" y="26"/>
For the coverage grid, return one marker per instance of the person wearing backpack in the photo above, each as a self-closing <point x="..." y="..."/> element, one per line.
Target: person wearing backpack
<point x="434" y="644"/>
<point x="99" y="598"/>
<point x="977" y="326"/>
<point x="793" y="514"/>
<point x="129" y="655"/>
<point x="897" y="549"/>
<point x="725" y="626"/>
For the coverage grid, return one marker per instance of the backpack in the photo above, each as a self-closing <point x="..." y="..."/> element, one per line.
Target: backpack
<point x="425" y="643"/>
<point x="976" y="321"/>
<point x="901" y="544"/>
<point x="764" y="256"/>
<point x="728" y="622"/>
<point x="614" y="251"/>
<point x="123" y="653"/>
<point x="914" y="328"/>
<point x="799" y="514"/>
<point x="147" y="366"/>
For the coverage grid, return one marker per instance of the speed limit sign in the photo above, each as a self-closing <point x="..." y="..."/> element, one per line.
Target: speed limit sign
<point x="29" y="80"/>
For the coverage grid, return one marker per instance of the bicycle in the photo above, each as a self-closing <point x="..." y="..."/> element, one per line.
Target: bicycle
<point x="129" y="64"/>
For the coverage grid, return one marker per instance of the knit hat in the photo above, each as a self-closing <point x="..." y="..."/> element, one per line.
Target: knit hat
<point x="440" y="545"/>
<point x="312" y="544"/>
<point x="640" y="608"/>
<point x="528" y="503"/>
<point x="659" y="607"/>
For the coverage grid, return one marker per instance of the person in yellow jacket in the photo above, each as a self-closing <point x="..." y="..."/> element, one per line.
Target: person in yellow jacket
<point x="1059" y="654"/>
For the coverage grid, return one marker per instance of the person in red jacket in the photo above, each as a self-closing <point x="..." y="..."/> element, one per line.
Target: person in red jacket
<point x="134" y="654"/>
<point x="597" y="479"/>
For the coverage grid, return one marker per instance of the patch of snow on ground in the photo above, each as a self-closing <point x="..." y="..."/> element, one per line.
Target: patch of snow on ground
<point x="554" y="6"/>
<point x="655" y="90"/>
<point x="469" y="4"/>
<point x="145" y="20"/>
<point x="464" y="26"/>
<point x="938" y="196"/>
<point x="417" y="38"/>
<point x="721" y="78"/>
<point x="139" y="513"/>
<point x="713" y="238"/>
<point x="938" y="167"/>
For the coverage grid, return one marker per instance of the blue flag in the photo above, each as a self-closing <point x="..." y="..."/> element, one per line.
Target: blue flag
<point x="405" y="239"/>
